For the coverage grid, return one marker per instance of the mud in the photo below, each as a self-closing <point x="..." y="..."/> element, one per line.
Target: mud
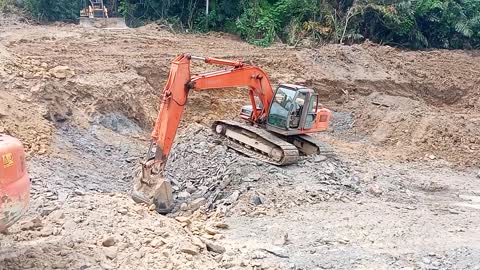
<point x="401" y="193"/>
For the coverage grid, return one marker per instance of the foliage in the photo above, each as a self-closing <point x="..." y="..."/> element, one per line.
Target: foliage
<point x="425" y="23"/>
<point x="6" y="5"/>
<point x="52" y="10"/>
<point x="405" y="23"/>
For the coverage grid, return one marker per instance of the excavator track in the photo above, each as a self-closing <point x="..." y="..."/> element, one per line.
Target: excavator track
<point x="256" y="143"/>
<point x="316" y="147"/>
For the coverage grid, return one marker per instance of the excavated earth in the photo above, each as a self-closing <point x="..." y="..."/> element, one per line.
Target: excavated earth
<point x="402" y="192"/>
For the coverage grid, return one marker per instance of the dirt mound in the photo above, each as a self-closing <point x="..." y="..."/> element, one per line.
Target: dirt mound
<point x="410" y="132"/>
<point x="438" y="78"/>
<point x="103" y="232"/>
<point x="414" y="105"/>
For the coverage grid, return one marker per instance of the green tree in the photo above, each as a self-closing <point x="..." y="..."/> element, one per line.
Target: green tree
<point x="52" y="10"/>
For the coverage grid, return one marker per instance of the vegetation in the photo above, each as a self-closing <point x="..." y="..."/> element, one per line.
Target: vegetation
<point x="53" y="10"/>
<point x="405" y="23"/>
<point x="4" y="5"/>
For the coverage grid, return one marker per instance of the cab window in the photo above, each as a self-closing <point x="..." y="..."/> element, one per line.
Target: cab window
<point x="281" y="105"/>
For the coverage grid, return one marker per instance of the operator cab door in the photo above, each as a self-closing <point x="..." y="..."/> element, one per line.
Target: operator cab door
<point x="310" y="112"/>
<point x="292" y="110"/>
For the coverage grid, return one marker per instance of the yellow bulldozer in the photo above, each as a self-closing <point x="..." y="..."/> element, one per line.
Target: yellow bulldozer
<point x="101" y="14"/>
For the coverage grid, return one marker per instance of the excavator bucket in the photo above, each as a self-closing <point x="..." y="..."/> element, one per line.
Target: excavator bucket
<point x="105" y="23"/>
<point x="158" y="191"/>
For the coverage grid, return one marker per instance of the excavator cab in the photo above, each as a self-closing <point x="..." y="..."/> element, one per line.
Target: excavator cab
<point x="294" y="108"/>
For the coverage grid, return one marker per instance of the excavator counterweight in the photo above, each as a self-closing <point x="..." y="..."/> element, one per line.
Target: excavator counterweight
<point x="275" y="127"/>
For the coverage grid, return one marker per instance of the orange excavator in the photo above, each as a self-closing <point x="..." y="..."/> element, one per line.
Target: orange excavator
<point x="275" y="125"/>
<point x="14" y="181"/>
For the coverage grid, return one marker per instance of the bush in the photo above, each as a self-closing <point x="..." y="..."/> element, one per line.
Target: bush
<point x="53" y="10"/>
<point x="5" y="5"/>
<point x="425" y="23"/>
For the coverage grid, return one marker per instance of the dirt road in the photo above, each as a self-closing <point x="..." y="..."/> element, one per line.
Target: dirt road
<point x="403" y="191"/>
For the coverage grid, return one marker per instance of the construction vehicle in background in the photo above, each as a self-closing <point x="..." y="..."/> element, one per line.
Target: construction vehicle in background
<point x="275" y="129"/>
<point x="14" y="182"/>
<point x="101" y="14"/>
<point x="95" y="9"/>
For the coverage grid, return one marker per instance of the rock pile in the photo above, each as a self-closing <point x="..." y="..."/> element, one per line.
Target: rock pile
<point x="206" y="174"/>
<point x="106" y="231"/>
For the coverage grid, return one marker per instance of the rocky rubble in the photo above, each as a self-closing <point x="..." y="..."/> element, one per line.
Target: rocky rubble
<point x="89" y="232"/>
<point x="205" y="174"/>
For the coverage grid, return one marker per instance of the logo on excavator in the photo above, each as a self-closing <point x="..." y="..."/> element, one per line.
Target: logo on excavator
<point x="7" y="160"/>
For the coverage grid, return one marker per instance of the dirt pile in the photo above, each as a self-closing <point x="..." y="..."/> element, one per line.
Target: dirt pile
<point x="439" y="78"/>
<point x="411" y="133"/>
<point x="418" y="105"/>
<point x="104" y="232"/>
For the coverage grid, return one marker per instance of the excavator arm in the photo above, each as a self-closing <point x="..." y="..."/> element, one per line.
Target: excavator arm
<point x="150" y="185"/>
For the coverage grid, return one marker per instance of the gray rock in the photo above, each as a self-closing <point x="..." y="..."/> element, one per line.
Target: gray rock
<point x="183" y="207"/>
<point x="426" y="260"/>
<point x="375" y="190"/>
<point x="190" y="188"/>
<point x="110" y="252"/>
<point x="202" y="190"/>
<point x="183" y="195"/>
<point x="108" y="241"/>
<point x="190" y="249"/>
<point x="122" y="211"/>
<point x="273" y="169"/>
<point x="320" y="158"/>
<point x="252" y="177"/>
<point x="47" y="210"/>
<point x="197" y="203"/>
<point x="258" y="255"/>
<point x="256" y="200"/>
<point x="214" y="247"/>
<point x="232" y="198"/>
